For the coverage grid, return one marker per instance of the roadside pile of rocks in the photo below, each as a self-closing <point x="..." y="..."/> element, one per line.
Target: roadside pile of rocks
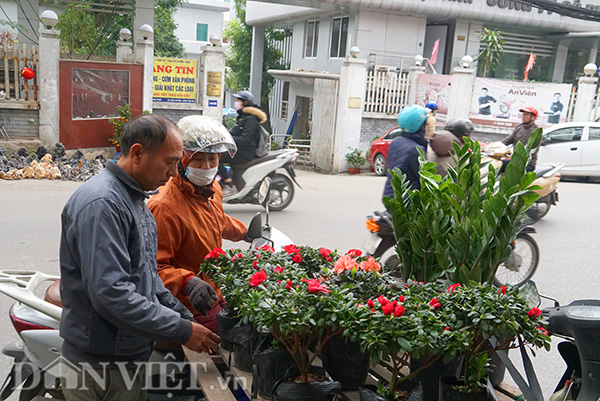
<point x="48" y="164"/>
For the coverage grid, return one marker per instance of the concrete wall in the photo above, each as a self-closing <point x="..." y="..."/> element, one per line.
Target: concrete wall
<point x="20" y="124"/>
<point x="375" y="127"/>
<point x="187" y="16"/>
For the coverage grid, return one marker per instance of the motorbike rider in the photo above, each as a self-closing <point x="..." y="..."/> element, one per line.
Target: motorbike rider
<point x="246" y="133"/>
<point x="431" y="108"/>
<point x="402" y="152"/>
<point x="190" y="218"/>
<point x="440" y="148"/>
<point x="521" y="134"/>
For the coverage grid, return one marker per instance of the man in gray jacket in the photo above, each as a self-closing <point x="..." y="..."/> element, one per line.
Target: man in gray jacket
<point x="114" y="303"/>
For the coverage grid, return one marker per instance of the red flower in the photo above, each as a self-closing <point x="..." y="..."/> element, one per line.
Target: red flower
<point x="255" y="264"/>
<point x="447" y="328"/>
<point x="400" y="298"/>
<point x="434" y="303"/>
<point x="534" y="312"/>
<point x="543" y="330"/>
<point x="502" y="290"/>
<point x="267" y="248"/>
<point x="398" y="311"/>
<point x="370" y="303"/>
<point x="325" y="253"/>
<point x="297" y="258"/>
<point x="354" y="253"/>
<point x="394" y="303"/>
<point x="387" y="309"/>
<point x="278" y="281"/>
<point x="382" y="300"/>
<point x="288" y="285"/>
<point x="452" y="287"/>
<point x="291" y="248"/>
<point x="257" y="278"/>
<point x="314" y="286"/>
<point x="278" y="269"/>
<point x="215" y="253"/>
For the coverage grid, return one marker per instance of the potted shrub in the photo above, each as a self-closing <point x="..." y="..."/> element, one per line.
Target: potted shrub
<point x="356" y="160"/>
<point x="118" y="124"/>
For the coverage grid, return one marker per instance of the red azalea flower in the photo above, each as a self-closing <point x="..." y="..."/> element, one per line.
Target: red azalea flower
<point x="452" y="287"/>
<point x="288" y="285"/>
<point x="354" y="253"/>
<point x="534" y="312"/>
<point x="278" y="281"/>
<point x="291" y="248"/>
<point x="447" y="328"/>
<point x="543" y="330"/>
<point x="387" y="309"/>
<point x="215" y="253"/>
<point x="370" y="303"/>
<point x="255" y="264"/>
<point x="297" y="258"/>
<point x="400" y="298"/>
<point x="234" y="258"/>
<point x="325" y="253"/>
<point x="314" y="286"/>
<point x="502" y="290"/>
<point x="469" y="150"/>
<point x="278" y="269"/>
<point x="257" y="278"/>
<point x="434" y="303"/>
<point x="267" y="248"/>
<point x="394" y="303"/>
<point x="398" y="311"/>
<point x="382" y="300"/>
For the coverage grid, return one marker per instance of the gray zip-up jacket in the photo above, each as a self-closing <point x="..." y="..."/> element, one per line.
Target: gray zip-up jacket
<point x="114" y="302"/>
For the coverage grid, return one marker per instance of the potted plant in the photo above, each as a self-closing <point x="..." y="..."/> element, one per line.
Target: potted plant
<point x="117" y="124"/>
<point x="355" y="159"/>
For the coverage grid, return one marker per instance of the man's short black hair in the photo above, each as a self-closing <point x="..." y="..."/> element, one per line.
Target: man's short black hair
<point x="557" y="93"/>
<point x="150" y="130"/>
<point x="484" y="89"/>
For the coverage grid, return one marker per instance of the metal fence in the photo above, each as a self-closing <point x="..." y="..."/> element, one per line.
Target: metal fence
<point x="386" y="91"/>
<point x="12" y="60"/>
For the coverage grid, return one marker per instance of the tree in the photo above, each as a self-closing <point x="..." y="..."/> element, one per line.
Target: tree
<point x="491" y="49"/>
<point x="166" y="43"/>
<point x="239" y="54"/>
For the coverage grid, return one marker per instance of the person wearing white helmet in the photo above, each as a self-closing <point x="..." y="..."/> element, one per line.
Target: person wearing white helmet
<point x="190" y="218"/>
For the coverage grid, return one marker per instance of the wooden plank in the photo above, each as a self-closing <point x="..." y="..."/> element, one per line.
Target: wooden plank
<point x="25" y="81"/>
<point x="6" y="75"/>
<point x="34" y="68"/>
<point x="208" y="376"/>
<point x="16" y="70"/>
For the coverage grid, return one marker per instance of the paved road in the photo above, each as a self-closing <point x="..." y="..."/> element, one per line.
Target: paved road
<point x="329" y="211"/>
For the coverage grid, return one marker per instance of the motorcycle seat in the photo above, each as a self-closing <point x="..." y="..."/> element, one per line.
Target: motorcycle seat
<point x="270" y="156"/>
<point x="540" y="171"/>
<point x="52" y="294"/>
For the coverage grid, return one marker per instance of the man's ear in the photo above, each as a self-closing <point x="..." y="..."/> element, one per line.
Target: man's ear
<point x="136" y="152"/>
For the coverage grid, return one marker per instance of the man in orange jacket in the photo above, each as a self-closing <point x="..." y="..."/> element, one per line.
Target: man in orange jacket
<point x="190" y="218"/>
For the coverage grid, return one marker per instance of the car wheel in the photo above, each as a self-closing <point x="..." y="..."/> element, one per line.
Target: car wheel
<point x="380" y="165"/>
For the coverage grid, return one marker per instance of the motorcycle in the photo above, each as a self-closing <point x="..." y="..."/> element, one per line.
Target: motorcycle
<point x="518" y="268"/>
<point x="36" y="319"/>
<point x="247" y="179"/>
<point x="548" y="176"/>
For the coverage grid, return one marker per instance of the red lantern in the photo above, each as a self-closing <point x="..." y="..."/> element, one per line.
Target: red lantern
<point x="27" y="73"/>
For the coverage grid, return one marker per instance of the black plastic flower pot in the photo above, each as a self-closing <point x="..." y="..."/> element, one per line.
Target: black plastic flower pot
<point x="413" y="391"/>
<point x="286" y="390"/>
<point x="226" y="322"/>
<point x="245" y="340"/>
<point x="270" y="366"/>
<point x="448" y="391"/>
<point x="430" y="376"/>
<point x="345" y="362"/>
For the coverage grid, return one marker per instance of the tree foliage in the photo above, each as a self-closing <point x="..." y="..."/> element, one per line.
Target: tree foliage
<point x="491" y="49"/>
<point x="239" y="54"/>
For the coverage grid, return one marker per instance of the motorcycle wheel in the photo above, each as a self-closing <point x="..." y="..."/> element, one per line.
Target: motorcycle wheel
<point x="527" y="250"/>
<point x="282" y="192"/>
<point x="31" y="390"/>
<point x="392" y="266"/>
<point x="539" y="210"/>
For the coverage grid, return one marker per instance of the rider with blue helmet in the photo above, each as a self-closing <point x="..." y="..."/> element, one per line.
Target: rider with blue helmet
<point x="402" y="152"/>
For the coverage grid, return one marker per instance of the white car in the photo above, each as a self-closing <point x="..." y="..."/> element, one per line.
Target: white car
<point x="575" y="144"/>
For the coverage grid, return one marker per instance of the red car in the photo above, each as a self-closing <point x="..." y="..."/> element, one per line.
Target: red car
<point x="379" y="150"/>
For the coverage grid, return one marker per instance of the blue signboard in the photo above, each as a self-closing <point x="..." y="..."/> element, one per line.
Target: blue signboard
<point x="212" y="103"/>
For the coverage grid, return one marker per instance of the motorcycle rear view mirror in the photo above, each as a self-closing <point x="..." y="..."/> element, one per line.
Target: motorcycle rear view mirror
<point x="263" y="190"/>
<point x="255" y="227"/>
<point x="530" y="293"/>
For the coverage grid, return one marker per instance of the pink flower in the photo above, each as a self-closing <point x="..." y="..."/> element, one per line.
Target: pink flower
<point x="387" y="309"/>
<point x="398" y="311"/>
<point x="534" y="312"/>
<point x="291" y="248"/>
<point x="382" y="300"/>
<point x="257" y="278"/>
<point x="278" y="269"/>
<point x="267" y="248"/>
<point x="452" y="287"/>
<point x="325" y="254"/>
<point x="278" y="281"/>
<point x="370" y="265"/>
<point x="297" y="258"/>
<point x="434" y="303"/>
<point x="370" y="303"/>
<point x="354" y="252"/>
<point x="215" y="253"/>
<point x="344" y="263"/>
<point x="288" y="285"/>
<point x="502" y="289"/>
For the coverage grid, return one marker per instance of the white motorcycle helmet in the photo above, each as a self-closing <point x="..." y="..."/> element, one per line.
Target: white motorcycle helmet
<point x="203" y="134"/>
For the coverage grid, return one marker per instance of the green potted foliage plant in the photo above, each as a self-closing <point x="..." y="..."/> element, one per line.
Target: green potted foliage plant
<point x="355" y="159"/>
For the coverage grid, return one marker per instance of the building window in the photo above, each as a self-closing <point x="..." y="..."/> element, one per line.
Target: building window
<point x="202" y="32"/>
<point x="339" y="36"/>
<point x="285" y="95"/>
<point x="312" y="39"/>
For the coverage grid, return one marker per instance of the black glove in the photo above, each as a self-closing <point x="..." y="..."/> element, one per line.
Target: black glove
<point x="202" y="295"/>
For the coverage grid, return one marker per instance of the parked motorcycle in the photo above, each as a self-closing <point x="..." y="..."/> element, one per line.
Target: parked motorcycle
<point x="518" y="268"/>
<point x="548" y="176"/>
<point x="247" y="179"/>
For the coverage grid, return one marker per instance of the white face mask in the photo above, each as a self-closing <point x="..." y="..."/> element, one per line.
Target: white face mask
<point x="238" y="105"/>
<point x="201" y="176"/>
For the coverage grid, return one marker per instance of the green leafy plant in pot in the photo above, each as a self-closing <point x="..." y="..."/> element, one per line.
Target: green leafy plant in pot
<point x="355" y="159"/>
